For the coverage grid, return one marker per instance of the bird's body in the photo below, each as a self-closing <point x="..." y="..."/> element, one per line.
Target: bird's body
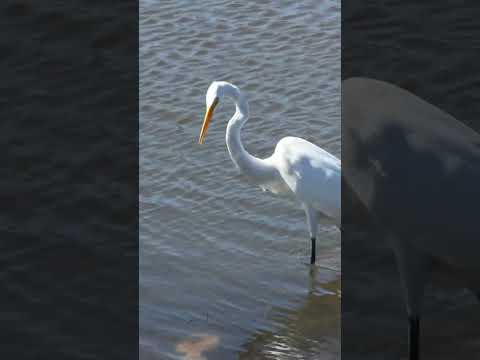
<point x="311" y="174"/>
<point x="297" y="168"/>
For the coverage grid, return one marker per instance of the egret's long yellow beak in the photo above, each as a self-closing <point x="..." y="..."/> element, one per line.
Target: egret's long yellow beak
<point x="206" y="121"/>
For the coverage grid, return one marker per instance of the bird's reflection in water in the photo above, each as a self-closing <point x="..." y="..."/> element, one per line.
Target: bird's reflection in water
<point x="194" y="349"/>
<point x="315" y="288"/>
<point x="311" y="330"/>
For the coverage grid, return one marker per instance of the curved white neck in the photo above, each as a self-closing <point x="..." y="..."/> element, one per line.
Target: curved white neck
<point x="256" y="169"/>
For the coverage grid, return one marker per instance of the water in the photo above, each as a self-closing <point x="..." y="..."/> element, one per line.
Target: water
<point x="224" y="268"/>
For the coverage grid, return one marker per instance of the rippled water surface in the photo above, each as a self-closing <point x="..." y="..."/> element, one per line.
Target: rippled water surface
<point x="224" y="268"/>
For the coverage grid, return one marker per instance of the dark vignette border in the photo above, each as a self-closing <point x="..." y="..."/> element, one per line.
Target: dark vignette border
<point x="69" y="179"/>
<point x="430" y="48"/>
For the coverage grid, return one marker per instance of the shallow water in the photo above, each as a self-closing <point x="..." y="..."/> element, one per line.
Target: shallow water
<point x="223" y="266"/>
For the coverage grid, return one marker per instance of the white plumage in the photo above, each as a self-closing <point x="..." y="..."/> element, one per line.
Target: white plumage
<point x="297" y="167"/>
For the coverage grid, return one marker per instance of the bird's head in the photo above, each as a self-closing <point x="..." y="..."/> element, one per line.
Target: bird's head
<point x="215" y="95"/>
<point x="212" y="99"/>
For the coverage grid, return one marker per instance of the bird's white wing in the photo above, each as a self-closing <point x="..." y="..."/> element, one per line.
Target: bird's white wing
<point x="311" y="173"/>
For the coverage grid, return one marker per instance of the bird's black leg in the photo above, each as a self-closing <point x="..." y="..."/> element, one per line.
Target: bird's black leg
<point x="413" y="337"/>
<point x="312" y="256"/>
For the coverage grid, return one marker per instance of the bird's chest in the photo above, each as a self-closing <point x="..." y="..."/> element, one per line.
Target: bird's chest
<point x="277" y="188"/>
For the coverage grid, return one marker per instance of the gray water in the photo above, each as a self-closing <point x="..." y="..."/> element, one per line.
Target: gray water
<point x="224" y="268"/>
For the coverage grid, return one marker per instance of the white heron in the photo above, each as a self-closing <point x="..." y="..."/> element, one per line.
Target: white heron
<point x="416" y="169"/>
<point x="297" y="168"/>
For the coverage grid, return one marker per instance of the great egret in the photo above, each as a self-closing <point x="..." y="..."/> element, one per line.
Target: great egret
<point x="297" y="168"/>
<point x="416" y="169"/>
